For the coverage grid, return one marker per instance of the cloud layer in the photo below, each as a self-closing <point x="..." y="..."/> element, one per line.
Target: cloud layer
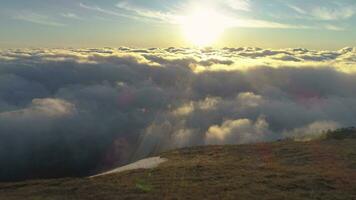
<point x="72" y="112"/>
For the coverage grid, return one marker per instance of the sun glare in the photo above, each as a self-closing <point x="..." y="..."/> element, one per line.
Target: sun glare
<point x="203" y="27"/>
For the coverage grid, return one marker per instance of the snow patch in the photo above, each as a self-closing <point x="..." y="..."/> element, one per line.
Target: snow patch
<point x="147" y="163"/>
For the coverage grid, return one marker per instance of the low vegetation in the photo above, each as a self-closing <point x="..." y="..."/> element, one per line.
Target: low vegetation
<point x="321" y="169"/>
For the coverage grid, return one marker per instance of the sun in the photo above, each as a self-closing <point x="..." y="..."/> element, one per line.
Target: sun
<point x="203" y="27"/>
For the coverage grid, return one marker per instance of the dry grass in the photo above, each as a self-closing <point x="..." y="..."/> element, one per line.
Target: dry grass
<point x="281" y="170"/>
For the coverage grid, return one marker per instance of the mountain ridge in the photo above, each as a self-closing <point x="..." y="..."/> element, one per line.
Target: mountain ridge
<point x="318" y="169"/>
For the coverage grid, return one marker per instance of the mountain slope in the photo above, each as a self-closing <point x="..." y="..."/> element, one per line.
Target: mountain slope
<point x="324" y="169"/>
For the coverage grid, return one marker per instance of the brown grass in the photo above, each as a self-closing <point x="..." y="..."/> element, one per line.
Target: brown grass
<point x="281" y="170"/>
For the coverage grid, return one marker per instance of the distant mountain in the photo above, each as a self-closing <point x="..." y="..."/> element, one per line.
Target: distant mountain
<point x="320" y="169"/>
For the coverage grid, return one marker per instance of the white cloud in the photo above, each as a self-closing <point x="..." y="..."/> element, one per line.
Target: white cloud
<point x="324" y="13"/>
<point x="143" y="13"/>
<point x="178" y="15"/>
<point x="238" y="131"/>
<point x="71" y="16"/>
<point x="37" y="19"/>
<point x="239" y="4"/>
<point x="103" y="11"/>
<point x="39" y="116"/>
<point x="42" y="108"/>
<point x="297" y="9"/>
<point x="330" y="13"/>
<point x="333" y="27"/>
<point x="249" y="100"/>
<point x="312" y="131"/>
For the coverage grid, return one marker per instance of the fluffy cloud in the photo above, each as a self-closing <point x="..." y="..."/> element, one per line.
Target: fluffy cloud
<point x="239" y="131"/>
<point x="41" y="108"/>
<point x="312" y="131"/>
<point x="72" y="112"/>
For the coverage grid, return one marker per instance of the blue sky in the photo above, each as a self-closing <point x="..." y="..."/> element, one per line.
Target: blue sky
<point x="318" y="24"/>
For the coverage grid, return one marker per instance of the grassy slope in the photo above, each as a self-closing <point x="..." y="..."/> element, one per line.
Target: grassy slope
<point x="281" y="170"/>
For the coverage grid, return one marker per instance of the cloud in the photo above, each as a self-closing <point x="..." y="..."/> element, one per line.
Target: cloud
<point x="146" y="13"/>
<point x="103" y="11"/>
<point x="244" y="5"/>
<point x="324" y="13"/>
<point x="253" y="23"/>
<point x="297" y="9"/>
<point x="312" y="131"/>
<point x="44" y="107"/>
<point x="239" y="131"/>
<point x="335" y="11"/>
<point x="38" y="115"/>
<point x="178" y="13"/>
<point x="333" y="27"/>
<point x="37" y="19"/>
<point x="71" y="16"/>
<point x="74" y="112"/>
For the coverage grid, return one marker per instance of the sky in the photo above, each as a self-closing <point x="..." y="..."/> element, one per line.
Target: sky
<point x="314" y="24"/>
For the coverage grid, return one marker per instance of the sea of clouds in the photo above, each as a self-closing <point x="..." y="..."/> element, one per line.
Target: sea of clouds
<point x="73" y="112"/>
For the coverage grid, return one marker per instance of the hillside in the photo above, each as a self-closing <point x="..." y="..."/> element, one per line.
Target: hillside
<point x="324" y="169"/>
